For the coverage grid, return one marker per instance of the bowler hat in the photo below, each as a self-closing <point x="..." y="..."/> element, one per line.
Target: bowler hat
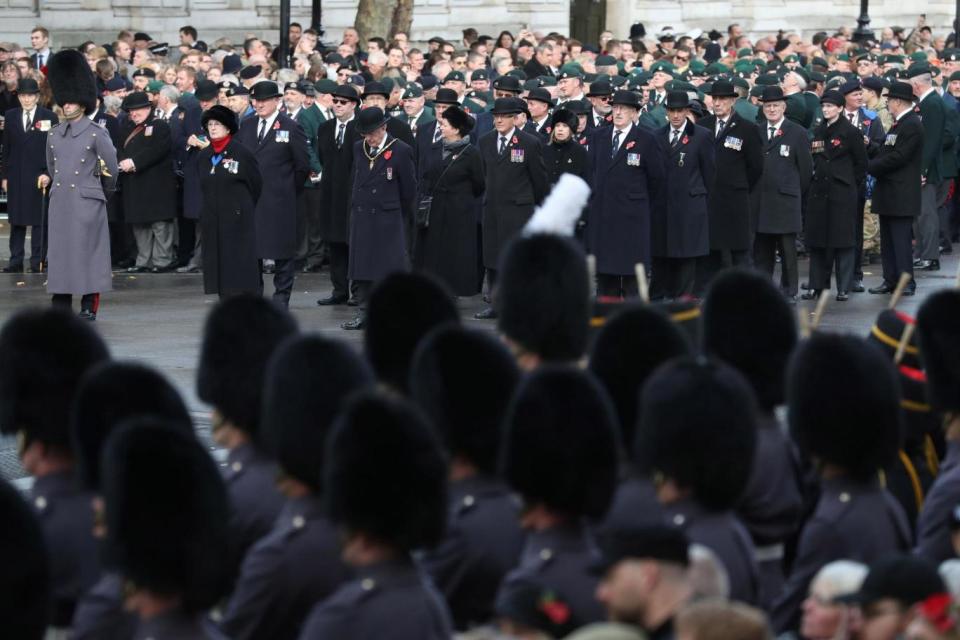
<point x="625" y="99"/>
<point x="264" y="90"/>
<point x="136" y="100"/>
<point x="28" y="86"/>
<point x="677" y="100"/>
<point x="375" y="89"/>
<point x="248" y="73"/>
<point x="505" y="106"/>
<point x="772" y="94"/>
<point x="832" y="97"/>
<point x="900" y="91"/>
<point x="507" y="83"/>
<point x="446" y="96"/>
<point x="906" y="578"/>
<point x="540" y="95"/>
<point x="370" y="120"/>
<point x="232" y="63"/>
<point x="601" y="88"/>
<point x="722" y="89"/>
<point x="220" y="114"/>
<point x="207" y="90"/>
<point x="345" y="91"/>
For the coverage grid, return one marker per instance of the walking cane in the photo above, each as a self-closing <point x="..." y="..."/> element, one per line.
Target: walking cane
<point x="44" y="205"/>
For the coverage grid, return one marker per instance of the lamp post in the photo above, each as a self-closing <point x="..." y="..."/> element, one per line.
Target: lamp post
<point x="316" y="16"/>
<point x="284" y="57"/>
<point x="863" y="32"/>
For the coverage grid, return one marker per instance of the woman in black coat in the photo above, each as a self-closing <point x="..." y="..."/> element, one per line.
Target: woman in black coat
<point x="446" y="244"/>
<point x="564" y="154"/>
<point x="840" y="165"/>
<point x="230" y="183"/>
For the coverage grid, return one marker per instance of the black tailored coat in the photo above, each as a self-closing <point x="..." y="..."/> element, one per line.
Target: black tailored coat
<point x="777" y="200"/>
<point x="534" y="69"/>
<point x="483" y="542"/>
<point x="254" y="500"/>
<point x="543" y="132"/>
<point x="429" y="153"/>
<point x="184" y="123"/>
<point x="401" y="131"/>
<point x="23" y="159"/>
<point x="839" y="171"/>
<point x="283" y="160"/>
<point x="626" y="190"/>
<point x="897" y="169"/>
<point x="870" y="126"/>
<point x="381" y="211"/>
<point x="566" y="157"/>
<point x="100" y="613"/>
<point x="681" y="230"/>
<point x="150" y="192"/>
<point x="845" y="513"/>
<point x="933" y="113"/>
<point x="285" y="573"/>
<point x="388" y="600"/>
<point x="230" y="191"/>
<point x="516" y="184"/>
<point x="738" y="167"/>
<point x="112" y="125"/>
<point x="335" y="181"/>
<point x="934" y="523"/>
<point x="179" y="625"/>
<point x="447" y="248"/>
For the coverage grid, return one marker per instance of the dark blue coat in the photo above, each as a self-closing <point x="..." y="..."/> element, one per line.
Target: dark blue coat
<point x="388" y="600"/>
<point x="483" y="542"/>
<point x="336" y="180"/>
<point x="627" y="188"/>
<point x="284" y="165"/>
<point x="869" y="125"/>
<point x="176" y="624"/>
<point x="381" y="210"/>
<point x="24" y="160"/>
<point x="933" y="526"/>
<point x="634" y="505"/>
<point x="787" y="169"/>
<point x="101" y="614"/>
<point x="429" y="153"/>
<point x="183" y="124"/>
<point x="289" y="570"/>
<point x="681" y="229"/>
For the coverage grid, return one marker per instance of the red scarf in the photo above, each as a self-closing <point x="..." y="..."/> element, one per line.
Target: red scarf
<point x="220" y="145"/>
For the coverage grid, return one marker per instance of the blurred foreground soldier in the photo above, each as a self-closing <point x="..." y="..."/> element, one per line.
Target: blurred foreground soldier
<point x="296" y="564"/>
<point x="527" y="609"/>
<point x="516" y="182"/>
<point x="280" y="147"/>
<point x="849" y="439"/>
<point x="483" y="540"/>
<point x="696" y="436"/>
<point x="748" y="325"/>
<point x="43" y="356"/>
<point x="830" y="227"/>
<point x="939" y="340"/>
<point x="82" y="174"/>
<point x="109" y="395"/>
<point x="718" y="620"/>
<point x="738" y="167"/>
<point x="239" y="337"/>
<point x="25" y="584"/>
<point x="24" y="160"/>
<point x="165" y="512"/>
<point x="630" y="347"/>
<point x="776" y="205"/>
<point x="629" y="184"/>
<point x="826" y="615"/>
<point x="385" y="488"/>
<point x="679" y="233"/>
<point x="231" y="183"/>
<point x="560" y="455"/>
<point x="381" y="207"/>
<point x="404" y="308"/>
<point x="147" y="184"/>
<point x="645" y="577"/>
<point x="896" y="194"/>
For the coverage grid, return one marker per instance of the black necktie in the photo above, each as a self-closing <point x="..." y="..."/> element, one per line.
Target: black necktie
<point x="39" y="60"/>
<point x="340" y="135"/>
<point x="676" y="138"/>
<point x="436" y="136"/>
<point x="616" y="142"/>
<point x="263" y="130"/>
<point x="503" y="144"/>
<point x="773" y="132"/>
<point x="720" y="126"/>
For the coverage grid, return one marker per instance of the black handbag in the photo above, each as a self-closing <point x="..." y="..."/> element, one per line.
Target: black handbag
<point x="426" y="202"/>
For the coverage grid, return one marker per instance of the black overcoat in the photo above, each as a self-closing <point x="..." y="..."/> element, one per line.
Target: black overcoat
<point x="839" y="170"/>
<point x="335" y="181"/>
<point x="23" y="160"/>
<point x="150" y="192"/>
<point x="787" y="167"/>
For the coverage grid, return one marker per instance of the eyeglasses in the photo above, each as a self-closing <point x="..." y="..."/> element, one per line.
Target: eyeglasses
<point x="344" y="73"/>
<point x="683" y="59"/>
<point x="341" y="101"/>
<point x="603" y="98"/>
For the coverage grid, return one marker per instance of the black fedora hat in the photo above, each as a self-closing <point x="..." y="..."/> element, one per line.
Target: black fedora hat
<point x="722" y="89"/>
<point x="446" y="96"/>
<point x="370" y="120"/>
<point x="540" y="95"/>
<point x="507" y="83"/>
<point x="375" y="89"/>
<point x="220" y="114"/>
<point x="136" y="100"/>
<point x="677" y="100"/>
<point x="625" y="99"/>
<point x="345" y="91"/>
<point x="900" y="91"/>
<point x="264" y="90"/>
<point x="28" y="86"/>
<point x="505" y="107"/>
<point x="772" y="94"/>
<point x="601" y="88"/>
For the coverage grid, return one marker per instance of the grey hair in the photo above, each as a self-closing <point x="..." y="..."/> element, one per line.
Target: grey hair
<point x="706" y="572"/>
<point x="170" y="92"/>
<point x="841" y="577"/>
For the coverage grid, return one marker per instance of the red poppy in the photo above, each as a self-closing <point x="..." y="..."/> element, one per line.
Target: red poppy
<point x="514" y="140"/>
<point x="630" y="144"/>
<point x="549" y="129"/>
<point x="835" y="142"/>
<point x="684" y="139"/>
<point x="43" y="69"/>
<point x="387" y="154"/>
<point x="276" y="125"/>
<point x="866" y="122"/>
<point x="779" y="132"/>
<point x="557" y="611"/>
<point x="937" y="610"/>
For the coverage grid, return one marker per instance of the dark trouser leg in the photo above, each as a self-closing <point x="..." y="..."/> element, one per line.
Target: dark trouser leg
<point x="819" y="268"/>
<point x="902" y="255"/>
<point x="887" y="256"/>
<point x="90" y="302"/>
<point x="362" y="294"/>
<point x="765" y="252"/>
<point x="629" y="286"/>
<point x="927" y="226"/>
<point x="18" y="236"/>
<point x="608" y="286"/>
<point x="858" y="241"/>
<point x="186" y="240"/>
<point x="339" y="257"/>
<point x="684" y="277"/>
<point x="662" y="280"/>
<point x="789" y="276"/>
<point x="62" y="300"/>
<point x="283" y="276"/>
<point x="36" y="246"/>
<point x="315" y="247"/>
<point x="844" y="261"/>
<point x="944" y="207"/>
<point x="303" y="204"/>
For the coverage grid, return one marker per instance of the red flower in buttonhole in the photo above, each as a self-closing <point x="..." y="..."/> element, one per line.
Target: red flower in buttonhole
<point x="779" y="132"/>
<point x="937" y="610"/>
<point x="684" y="139"/>
<point x="514" y="140"/>
<point x="630" y="144"/>
<point x="387" y="154"/>
<point x="558" y="612"/>
<point x="43" y="69"/>
<point x="835" y="142"/>
<point x="276" y="125"/>
<point x="866" y="122"/>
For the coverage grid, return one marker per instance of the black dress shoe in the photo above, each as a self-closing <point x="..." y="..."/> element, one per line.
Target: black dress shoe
<point x="12" y="269"/>
<point x="165" y="269"/>
<point x="883" y="288"/>
<point x="329" y="301"/>
<point x="188" y="269"/>
<point x="268" y="269"/>
<point x="857" y="287"/>
<point x="791" y="299"/>
<point x="919" y="262"/>
<point x="842" y="296"/>
<point x="811" y="294"/>
<point x="805" y="286"/>
<point x="909" y="291"/>
<point x="87" y="315"/>
<point x="136" y="269"/>
<point x="353" y="302"/>
<point x="354" y="325"/>
<point x="932" y="265"/>
<point x="486" y="314"/>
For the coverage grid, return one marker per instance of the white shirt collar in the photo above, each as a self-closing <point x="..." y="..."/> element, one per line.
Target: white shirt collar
<point x="271" y="119"/>
<point x="383" y="143"/>
<point x="293" y="114"/>
<point x="776" y="125"/>
<point x="926" y="93"/>
<point x="348" y="120"/>
<point x="625" y="132"/>
<point x="903" y="114"/>
<point x="508" y="136"/>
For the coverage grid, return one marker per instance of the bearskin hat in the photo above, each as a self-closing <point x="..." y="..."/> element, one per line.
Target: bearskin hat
<point x="25" y="581"/>
<point x="939" y="341"/>
<point x="888" y="330"/>
<point x="71" y="80"/>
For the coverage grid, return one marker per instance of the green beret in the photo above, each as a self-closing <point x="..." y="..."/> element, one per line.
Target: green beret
<point x="746" y="52"/>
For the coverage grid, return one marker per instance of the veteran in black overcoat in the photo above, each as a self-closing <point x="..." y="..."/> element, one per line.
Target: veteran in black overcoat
<point x="446" y="244"/>
<point x="777" y="201"/>
<point x="830" y="227"/>
<point x="230" y="183"/>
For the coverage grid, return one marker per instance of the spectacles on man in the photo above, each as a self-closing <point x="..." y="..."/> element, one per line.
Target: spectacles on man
<point x="683" y="58"/>
<point x="341" y="101"/>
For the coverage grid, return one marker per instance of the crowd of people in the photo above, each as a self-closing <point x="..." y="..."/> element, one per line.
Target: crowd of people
<point x="702" y="150"/>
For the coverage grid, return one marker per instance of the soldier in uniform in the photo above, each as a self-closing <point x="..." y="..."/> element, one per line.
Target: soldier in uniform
<point x="170" y="586"/>
<point x="680" y="233"/>
<point x="26" y="576"/>
<point x="738" y="167"/>
<point x="560" y="455"/>
<point x="82" y="167"/>
<point x="281" y="150"/>
<point x="381" y="207"/>
<point x="23" y="161"/>
<point x="415" y="109"/>
<point x="335" y="145"/>
<point x="777" y="200"/>
<point x="483" y="539"/>
<point x="696" y="431"/>
<point x="35" y="400"/>
<point x="830" y="227"/>
<point x="240" y="336"/>
<point x="516" y="182"/>
<point x="297" y="563"/>
<point x="389" y="596"/>
<point x="748" y="325"/>
<point x="629" y="184"/>
<point x="851" y="436"/>
<point x="896" y="194"/>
